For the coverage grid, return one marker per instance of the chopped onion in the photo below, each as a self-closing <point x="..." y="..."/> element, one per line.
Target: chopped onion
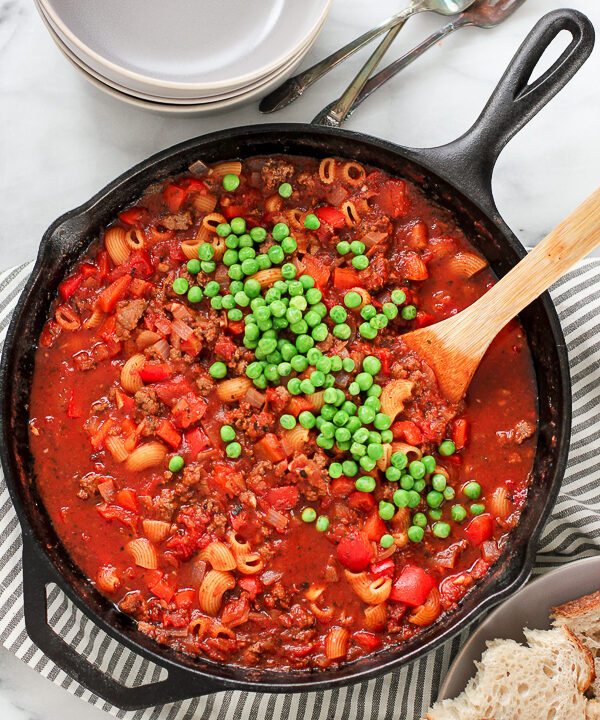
<point x="198" y="168"/>
<point x="269" y="577"/>
<point x="184" y="331"/>
<point x="146" y="338"/>
<point x="373" y="238"/>
<point x="255" y="398"/>
<point x="162" y="349"/>
<point x="276" y="519"/>
<point x="179" y="311"/>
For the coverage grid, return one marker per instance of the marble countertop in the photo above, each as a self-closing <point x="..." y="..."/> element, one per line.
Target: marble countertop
<point x="62" y="140"/>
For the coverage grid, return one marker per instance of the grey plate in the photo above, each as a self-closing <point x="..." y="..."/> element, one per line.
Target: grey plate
<point x="187" y="45"/>
<point x="530" y="607"/>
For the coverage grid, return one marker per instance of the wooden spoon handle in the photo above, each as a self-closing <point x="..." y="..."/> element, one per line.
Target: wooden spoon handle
<point x="574" y="238"/>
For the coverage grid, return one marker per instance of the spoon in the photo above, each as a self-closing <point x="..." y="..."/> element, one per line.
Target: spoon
<point x="292" y="88"/>
<point x="453" y="348"/>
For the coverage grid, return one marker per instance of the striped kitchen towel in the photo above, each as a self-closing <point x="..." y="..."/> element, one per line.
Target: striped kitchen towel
<point x="573" y="532"/>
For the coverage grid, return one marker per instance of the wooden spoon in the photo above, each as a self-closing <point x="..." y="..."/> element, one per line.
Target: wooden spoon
<point x="454" y="347"/>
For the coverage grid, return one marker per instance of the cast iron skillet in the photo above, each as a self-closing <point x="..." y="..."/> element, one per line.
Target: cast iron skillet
<point x="458" y="176"/>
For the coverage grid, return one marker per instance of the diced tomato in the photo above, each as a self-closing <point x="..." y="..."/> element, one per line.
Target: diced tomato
<point x="235" y="612"/>
<point x="459" y="432"/>
<point x="68" y="286"/>
<point x="126" y="498"/>
<point x="231" y="211"/>
<point x="332" y="216"/>
<point x="412" y="586"/>
<point x="225" y="347"/>
<point x="355" y="552"/>
<point x="162" y="590"/>
<point x="103" y="263"/>
<point x="88" y="269"/>
<point x="193" y="185"/>
<point x="132" y="216"/>
<point x="480" y="529"/>
<point x="174" y="197"/>
<point x="168" y="433"/>
<point x="298" y="404"/>
<point x="175" y="252"/>
<point x="98" y="438"/>
<point x="188" y="410"/>
<point x="251" y="585"/>
<point x="172" y="390"/>
<point x="283" y="498"/>
<point x="51" y="330"/>
<point x="451" y="591"/>
<point x="196" y="441"/>
<point x="423" y="319"/>
<point x="361" y="501"/>
<point x="341" y="487"/>
<point x="107" y="330"/>
<point x="479" y="569"/>
<point x="392" y="198"/>
<point x="226" y="479"/>
<point x="386" y="360"/>
<point x="269" y="448"/>
<point x="110" y="296"/>
<point x="346" y="278"/>
<point x="140" y="287"/>
<point x="185" y="598"/>
<point x="367" y="640"/>
<point x="317" y="269"/>
<point x="115" y="512"/>
<point x="74" y="409"/>
<point x="139" y="264"/>
<point x="407" y="431"/>
<point x="153" y="372"/>
<point x="238" y="520"/>
<point x="383" y="568"/>
<point x="374" y="527"/>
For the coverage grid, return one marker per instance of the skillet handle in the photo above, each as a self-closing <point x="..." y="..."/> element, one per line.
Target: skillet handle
<point x="469" y="161"/>
<point x="179" y="685"/>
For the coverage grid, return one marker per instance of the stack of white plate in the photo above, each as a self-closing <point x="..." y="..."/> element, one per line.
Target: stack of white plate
<point x="185" y="55"/>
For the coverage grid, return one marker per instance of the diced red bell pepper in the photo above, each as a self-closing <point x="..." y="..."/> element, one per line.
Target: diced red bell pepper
<point x="124" y="401"/>
<point x="269" y="448"/>
<point x="480" y="529"/>
<point x="392" y="198"/>
<point x="355" y="552"/>
<point x="412" y="586"/>
<point x="332" y="216"/>
<point x="386" y="360"/>
<point x="168" y="433"/>
<point x="346" y="278"/>
<point x="367" y="640"/>
<point x="283" y="498"/>
<point x="88" y="269"/>
<point x="103" y="263"/>
<point x="298" y="404"/>
<point x="361" y="501"/>
<point x="162" y="590"/>
<point x="107" y="330"/>
<point x="196" y="441"/>
<point x="68" y="286"/>
<point x="188" y="410"/>
<point x="407" y="431"/>
<point x="111" y="295"/>
<point x="341" y="487"/>
<point x="170" y="391"/>
<point x="140" y="287"/>
<point x="139" y="264"/>
<point x="374" y="527"/>
<point x="383" y="568"/>
<point x="459" y="432"/>
<point x="174" y="197"/>
<point x="317" y="269"/>
<point x="193" y="185"/>
<point x="185" y="598"/>
<point x="251" y="585"/>
<point x="132" y="216"/>
<point x="126" y="499"/>
<point x="153" y="372"/>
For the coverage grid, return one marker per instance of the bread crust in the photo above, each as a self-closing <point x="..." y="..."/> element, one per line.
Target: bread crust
<point x="583" y="686"/>
<point x="577" y="607"/>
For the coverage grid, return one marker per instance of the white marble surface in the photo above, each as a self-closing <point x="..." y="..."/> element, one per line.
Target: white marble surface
<point x="62" y="140"/>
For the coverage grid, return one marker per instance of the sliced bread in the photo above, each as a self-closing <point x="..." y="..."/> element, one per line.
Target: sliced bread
<point x="583" y="618"/>
<point x="543" y="680"/>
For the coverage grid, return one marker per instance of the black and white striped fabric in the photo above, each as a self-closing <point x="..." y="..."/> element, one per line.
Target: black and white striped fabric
<point x="572" y="532"/>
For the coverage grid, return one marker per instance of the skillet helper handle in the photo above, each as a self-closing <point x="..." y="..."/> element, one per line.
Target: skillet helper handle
<point x="515" y="101"/>
<point x="179" y="684"/>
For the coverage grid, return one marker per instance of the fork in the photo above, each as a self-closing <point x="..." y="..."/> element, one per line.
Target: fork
<point x="484" y="14"/>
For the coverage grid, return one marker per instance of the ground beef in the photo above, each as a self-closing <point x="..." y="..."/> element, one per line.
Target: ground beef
<point x="278" y="398"/>
<point x="204" y="383"/>
<point x="518" y="434"/>
<point x="151" y="424"/>
<point x="178" y="221"/>
<point x="255" y="479"/>
<point x="146" y="402"/>
<point x="89" y="485"/>
<point x="161" y="506"/>
<point x="208" y="328"/>
<point x="376" y="275"/>
<point x="128" y="316"/>
<point x="83" y="361"/>
<point x="260" y="424"/>
<point x="274" y="172"/>
<point x="134" y="604"/>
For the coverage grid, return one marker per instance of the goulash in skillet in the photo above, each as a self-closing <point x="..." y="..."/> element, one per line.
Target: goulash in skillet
<point x="230" y="437"/>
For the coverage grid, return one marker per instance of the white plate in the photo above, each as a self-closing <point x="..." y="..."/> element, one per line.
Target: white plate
<point x="67" y="50"/>
<point x="183" y="48"/>
<point x="166" y="107"/>
<point x="530" y="607"/>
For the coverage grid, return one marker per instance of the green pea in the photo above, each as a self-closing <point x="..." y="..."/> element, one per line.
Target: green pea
<point x="401" y="498"/>
<point x="212" y="289"/>
<point x="407" y="482"/>
<point x="364" y="380"/>
<point x="429" y="462"/>
<point x="367" y="463"/>
<point x="416" y="469"/>
<point x="176" y="463"/>
<point x="357" y="450"/>
<point x="267" y="345"/>
<point x="307" y="387"/>
<point x="263" y="261"/>
<point x="304" y="343"/>
<point x="348" y="364"/>
<point x="382" y="421"/>
<point x="233" y="450"/>
<point x="441" y="529"/>
<point x="342" y="331"/>
<point x="398" y="297"/>
<point x="360" y="262"/>
<point x="322" y="523"/>
<point x="235" y="272"/>
<point x="367" y="331"/>
<point x="232" y="242"/>
<point x="216" y="302"/>
<point x="343" y="435"/>
<point x="235" y="286"/>
<point x="218" y="370"/>
<point x="246" y="253"/>
<point x="365" y="483"/>
<point x="409" y="312"/>
<point x="393" y="474"/>
<point x="449" y="493"/>
<point x="419" y="485"/>
<point x="420" y="520"/>
<point x="438" y="482"/>
<point x="195" y="294"/>
<point x="180" y="286"/>
<point x="373" y="403"/>
<point x="295" y="287"/>
<point x="379" y="321"/>
<point x="458" y="513"/>
<point x="319" y="307"/>
<point x="375" y="391"/>
<point x="309" y="515"/>
<point x="414" y="499"/>
<point x="246" y="241"/>
<point x="340" y="418"/>
<point x="285" y="190"/>
<point x="280" y="231"/>
<point x="386" y="541"/>
<point x="223" y="229"/>
<point x="312" y="222"/>
<point x="275" y="254"/>
<point x="375" y="451"/>
<point x="306" y="281"/>
<point x="193" y="266"/>
<point x="335" y="470"/>
<point x="238" y="226"/>
<point x="289" y="245"/>
<point x="472" y="490"/>
<point x="386" y="435"/>
<point x="390" y="310"/>
<point x="343" y="247"/>
<point x="350" y="468"/>
<point x="258" y="234"/>
<point x="306" y="419"/>
<point x="434" y="498"/>
<point x="366" y="415"/>
<point x="293" y="386"/>
<point x="320" y="332"/>
<point x="352" y="299"/>
<point x="288" y="271"/>
<point x="231" y="182"/>
<point x="299" y="303"/>
<point x="227" y="433"/>
<point x="415" y="533"/>
<point x="271" y="373"/>
<point x="435" y="514"/>
<point x="368" y="312"/>
<point x="328" y="412"/>
<point x="386" y="510"/>
<point x="477" y="509"/>
<point x="325" y="443"/>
